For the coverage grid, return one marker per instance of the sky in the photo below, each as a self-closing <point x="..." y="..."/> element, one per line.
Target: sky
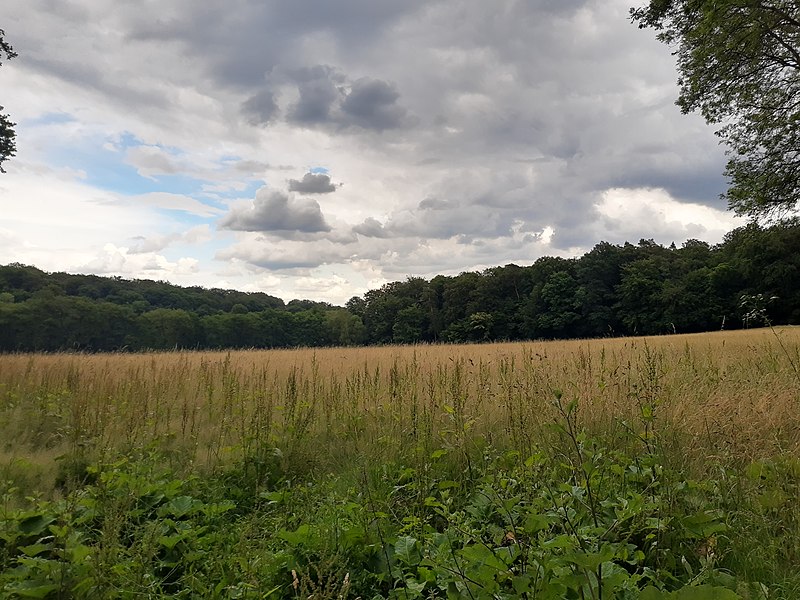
<point x="317" y="149"/>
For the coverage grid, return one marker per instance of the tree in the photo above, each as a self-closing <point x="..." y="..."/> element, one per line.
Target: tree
<point x="739" y="65"/>
<point x="8" y="146"/>
<point x="556" y="306"/>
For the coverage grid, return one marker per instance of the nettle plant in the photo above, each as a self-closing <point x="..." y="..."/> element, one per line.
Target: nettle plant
<point x="581" y="521"/>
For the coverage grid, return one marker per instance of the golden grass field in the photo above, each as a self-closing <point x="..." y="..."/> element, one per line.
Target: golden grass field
<point x="733" y="395"/>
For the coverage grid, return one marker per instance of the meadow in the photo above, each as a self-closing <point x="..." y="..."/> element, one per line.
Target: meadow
<point x="664" y="467"/>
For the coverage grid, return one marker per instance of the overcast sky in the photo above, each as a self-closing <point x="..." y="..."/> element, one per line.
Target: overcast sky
<point x="320" y="148"/>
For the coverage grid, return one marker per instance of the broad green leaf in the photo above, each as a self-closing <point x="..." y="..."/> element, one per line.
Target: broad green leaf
<point x="300" y="536"/>
<point x="651" y="593"/>
<point x="36" y="549"/>
<point x="79" y="552"/>
<point x="706" y="592"/>
<point x="179" y="506"/>
<point x="415" y="588"/>
<point x="405" y="548"/>
<point x="32" y="589"/>
<point x="35" y="524"/>
<point x="480" y="555"/>
<point x="535" y="524"/>
<point x="522" y="584"/>
<point x="170" y="541"/>
<point x="704" y="524"/>
<point x="591" y="560"/>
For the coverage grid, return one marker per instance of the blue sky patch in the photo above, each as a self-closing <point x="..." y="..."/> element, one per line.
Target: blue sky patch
<point x="51" y="118"/>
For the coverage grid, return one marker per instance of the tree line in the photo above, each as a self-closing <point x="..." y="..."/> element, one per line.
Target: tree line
<point x="58" y="311"/>
<point x="752" y="277"/>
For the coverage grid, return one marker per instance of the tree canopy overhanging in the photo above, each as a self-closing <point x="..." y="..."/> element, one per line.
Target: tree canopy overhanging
<point x="739" y="66"/>
<point x="8" y="146"/>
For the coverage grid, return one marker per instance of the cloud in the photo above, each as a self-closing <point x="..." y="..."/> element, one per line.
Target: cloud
<point x="114" y="260"/>
<point x="273" y="211"/>
<point x="464" y="129"/>
<point x="180" y="202"/>
<point x="372" y="104"/>
<point x="625" y="213"/>
<point x="371" y="227"/>
<point x="261" y="108"/>
<point x="312" y="183"/>
<point x="329" y="98"/>
<point x="286" y="255"/>
<point x="319" y="92"/>
<point x="156" y="243"/>
<point x="151" y="160"/>
<point x="255" y="167"/>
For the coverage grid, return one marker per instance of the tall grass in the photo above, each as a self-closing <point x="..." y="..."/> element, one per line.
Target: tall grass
<point x="569" y="466"/>
<point x="730" y="395"/>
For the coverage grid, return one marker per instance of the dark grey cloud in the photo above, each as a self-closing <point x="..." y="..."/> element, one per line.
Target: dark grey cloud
<point x="312" y="183"/>
<point x="273" y="211"/>
<point x="372" y="228"/>
<point x="373" y="104"/>
<point x="240" y="41"/>
<point x="261" y="108"/>
<point x="327" y="98"/>
<point x="318" y="87"/>
<point x="467" y="128"/>
<point x="434" y="204"/>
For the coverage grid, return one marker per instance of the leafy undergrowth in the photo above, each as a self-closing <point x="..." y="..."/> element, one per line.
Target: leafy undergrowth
<point x="583" y="522"/>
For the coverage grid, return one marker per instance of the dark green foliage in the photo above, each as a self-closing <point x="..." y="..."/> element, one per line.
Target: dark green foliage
<point x="59" y="311"/>
<point x="739" y="65"/>
<point x="643" y="289"/>
<point x="8" y="146"/>
<point x="580" y="520"/>
<point x="612" y="290"/>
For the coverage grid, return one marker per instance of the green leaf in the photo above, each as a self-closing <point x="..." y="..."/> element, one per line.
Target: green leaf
<point x="535" y="523"/>
<point x="300" y="536"/>
<point x="35" y="549"/>
<point x="452" y="591"/>
<point x="522" y="584"/>
<point x="704" y="524"/>
<point x="32" y="589"/>
<point x="170" y="541"/>
<point x="35" y="524"/>
<point x="700" y="592"/>
<point x="651" y="593"/>
<point x="354" y="537"/>
<point x="591" y="560"/>
<point x="706" y="592"/>
<point x="405" y="548"/>
<point x="179" y="507"/>
<point x="479" y="555"/>
<point x="562" y="541"/>
<point x="415" y="588"/>
<point x="79" y="552"/>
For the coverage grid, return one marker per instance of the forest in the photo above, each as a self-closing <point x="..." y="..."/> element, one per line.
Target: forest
<point x="750" y="279"/>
